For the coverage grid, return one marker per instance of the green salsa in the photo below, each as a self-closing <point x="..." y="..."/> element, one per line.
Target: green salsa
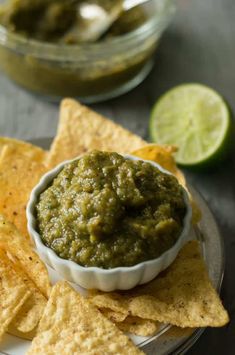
<point x="58" y="20"/>
<point x="107" y="211"/>
<point x="82" y="74"/>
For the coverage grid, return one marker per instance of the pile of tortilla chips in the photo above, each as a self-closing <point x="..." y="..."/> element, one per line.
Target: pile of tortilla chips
<point x="58" y="319"/>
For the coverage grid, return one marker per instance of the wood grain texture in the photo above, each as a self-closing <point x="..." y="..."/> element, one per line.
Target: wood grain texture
<point x="199" y="46"/>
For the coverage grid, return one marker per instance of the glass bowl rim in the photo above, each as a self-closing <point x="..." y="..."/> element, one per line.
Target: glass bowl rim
<point x="154" y="26"/>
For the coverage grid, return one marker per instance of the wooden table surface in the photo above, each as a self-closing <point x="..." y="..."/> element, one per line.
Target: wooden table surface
<point x="199" y="46"/>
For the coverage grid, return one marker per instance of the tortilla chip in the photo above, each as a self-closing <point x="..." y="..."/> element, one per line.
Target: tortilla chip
<point x="30" y="313"/>
<point x="13" y="292"/>
<point x="176" y="332"/>
<point x="113" y="301"/>
<point x="21" y="167"/>
<point x="71" y="325"/>
<point x="28" y="317"/>
<point x="27" y="336"/>
<point x="196" y="212"/>
<point x="182" y="295"/>
<point x="81" y="129"/>
<point x="138" y="326"/>
<point x="19" y="247"/>
<point x="115" y="317"/>
<point x="129" y="324"/>
<point x="22" y="145"/>
<point x="189" y="302"/>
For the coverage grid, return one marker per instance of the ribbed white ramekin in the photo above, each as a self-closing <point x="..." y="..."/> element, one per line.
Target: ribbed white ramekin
<point x="120" y="278"/>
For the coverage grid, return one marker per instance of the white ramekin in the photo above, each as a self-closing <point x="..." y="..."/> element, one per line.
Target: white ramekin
<point x="120" y="278"/>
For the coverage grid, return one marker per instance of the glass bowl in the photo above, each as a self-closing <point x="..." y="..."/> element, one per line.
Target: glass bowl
<point x="90" y="72"/>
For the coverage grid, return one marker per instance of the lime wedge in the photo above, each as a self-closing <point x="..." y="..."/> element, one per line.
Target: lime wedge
<point x="193" y="117"/>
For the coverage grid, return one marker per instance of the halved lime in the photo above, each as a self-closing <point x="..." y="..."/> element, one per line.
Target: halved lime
<point x="193" y="117"/>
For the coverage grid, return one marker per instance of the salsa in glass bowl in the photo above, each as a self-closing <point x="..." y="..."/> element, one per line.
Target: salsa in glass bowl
<point x="37" y="53"/>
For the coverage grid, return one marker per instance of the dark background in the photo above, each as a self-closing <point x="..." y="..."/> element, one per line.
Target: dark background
<point x="199" y="46"/>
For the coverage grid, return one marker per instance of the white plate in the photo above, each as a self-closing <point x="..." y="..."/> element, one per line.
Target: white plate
<point x="213" y="251"/>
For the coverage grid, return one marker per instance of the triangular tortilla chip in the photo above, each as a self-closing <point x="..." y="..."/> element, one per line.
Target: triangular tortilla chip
<point x="19" y="247"/>
<point x="30" y="313"/>
<point x="115" y="317"/>
<point x="13" y="292"/>
<point x="138" y="326"/>
<point x="176" y="332"/>
<point x="182" y="295"/>
<point x="81" y="129"/>
<point x="71" y="325"/>
<point x="27" y="336"/>
<point x="22" y="146"/>
<point x="21" y="167"/>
